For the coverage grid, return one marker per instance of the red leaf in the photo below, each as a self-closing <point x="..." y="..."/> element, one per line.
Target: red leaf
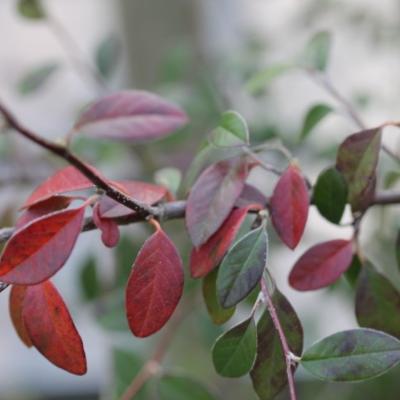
<point x="109" y="228"/>
<point x="205" y="258"/>
<point x="68" y="179"/>
<point x="212" y="198"/>
<point x="289" y="206"/>
<point x="321" y="265"/>
<point x="143" y="192"/>
<point x="155" y="285"/>
<point x="51" y="328"/>
<point x="48" y="206"/>
<point x="17" y="296"/>
<point x="131" y="116"/>
<point x="38" y="250"/>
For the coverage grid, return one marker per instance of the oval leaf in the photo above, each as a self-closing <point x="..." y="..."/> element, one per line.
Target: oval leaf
<point x="108" y="227"/>
<point x="107" y="54"/>
<point x="232" y="130"/>
<point x="155" y="285"/>
<point x="377" y="302"/>
<point x="242" y="267"/>
<point x="38" y="250"/>
<point x="52" y="329"/>
<point x="212" y="198"/>
<point x="289" y="206"/>
<point x="313" y="117"/>
<point x="234" y="351"/>
<point x="133" y="115"/>
<point x="36" y="78"/>
<point x="31" y="9"/>
<point x="316" y="53"/>
<point x="268" y="374"/>
<point x="352" y="355"/>
<point x="321" y="265"/>
<point x="330" y="194"/>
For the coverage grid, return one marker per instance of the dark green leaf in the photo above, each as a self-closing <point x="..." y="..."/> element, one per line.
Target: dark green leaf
<point x="235" y="350"/>
<point x="353" y="355"/>
<point x="377" y="302"/>
<point x="36" y="78"/>
<point x="107" y="55"/>
<point x="269" y="371"/>
<point x="89" y="280"/>
<point x="218" y="314"/>
<point x="330" y="194"/>
<point x="316" y="53"/>
<point x="173" y="387"/>
<point x="314" y="115"/>
<point x="353" y="271"/>
<point x="31" y="9"/>
<point x="259" y="81"/>
<point x="242" y="267"/>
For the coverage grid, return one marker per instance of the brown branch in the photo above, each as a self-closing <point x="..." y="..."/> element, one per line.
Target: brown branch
<point x="386" y="198"/>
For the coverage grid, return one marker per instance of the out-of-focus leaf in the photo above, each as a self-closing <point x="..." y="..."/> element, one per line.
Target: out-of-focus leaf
<point x="313" y="117"/>
<point x="330" y="194"/>
<point x="36" y="78"/>
<point x="352" y="355"/>
<point x="178" y="387"/>
<point x="316" y="53"/>
<point x="31" y="9"/>
<point x="107" y="55"/>
<point x="125" y="252"/>
<point x="218" y="314"/>
<point x="377" y="302"/>
<point x="169" y="177"/>
<point x="398" y="249"/>
<point x="390" y="179"/>
<point x="235" y="350"/>
<point x="232" y="130"/>
<point x="89" y="280"/>
<point x="111" y="312"/>
<point x="353" y="271"/>
<point x="258" y="82"/>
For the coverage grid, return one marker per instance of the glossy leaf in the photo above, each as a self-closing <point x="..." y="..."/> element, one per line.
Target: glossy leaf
<point x="289" y="206"/>
<point x="134" y="116"/>
<point x="206" y="257"/>
<point x="262" y="79"/>
<point x="218" y="314"/>
<point x="232" y="130"/>
<point x="330" y="194"/>
<point x="377" y="302"/>
<point x="313" y="117"/>
<point x="108" y="227"/>
<point x="31" y="9"/>
<point x="51" y="328"/>
<point x="316" y="53"/>
<point x="352" y="355"/>
<point x="68" y="179"/>
<point x="155" y="285"/>
<point x="38" y="250"/>
<point x="321" y="265"/>
<point x="17" y="296"/>
<point x="234" y="351"/>
<point x="178" y="387"/>
<point x="212" y="198"/>
<point x="242" y="267"/>
<point x="268" y="374"/>
<point x="107" y="54"/>
<point x="37" y="78"/>
<point x="357" y="159"/>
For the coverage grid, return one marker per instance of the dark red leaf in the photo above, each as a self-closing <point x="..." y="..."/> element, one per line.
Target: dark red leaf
<point x="38" y="250"/>
<point x="17" y="296"/>
<point x="146" y="193"/>
<point x="289" y="206"/>
<point x="210" y="254"/>
<point x="68" y="179"/>
<point x="131" y="116"/>
<point x="51" y="328"/>
<point x="321" y="265"/>
<point x="108" y="227"/>
<point x="155" y="285"/>
<point x="212" y="198"/>
<point x="250" y="195"/>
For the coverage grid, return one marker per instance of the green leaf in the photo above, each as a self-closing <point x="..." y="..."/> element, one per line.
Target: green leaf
<point x="174" y="387"/>
<point x="89" y="280"/>
<point x="107" y="55"/>
<point x="269" y="371"/>
<point x="316" y="53"/>
<point x="232" y="130"/>
<point x="353" y="271"/>
<point x="235" y="350"/>
<point x="313" y="117"/>
<point x="257" y="83"/>
<point x="353" y="355"/>
<point x="218" y="314"/>
<point x="31" y="9"/>
<point x="357" y="159"/>
<point x="169" y="177"/>
<point x="111" y="313"/>
<point x="125" y="253"/>
<point x="242" y="267"/>
<point x="330" y="194"/>
<point x="377" y="302"/>
<point x="398" y="249"/>
<point x="390" y="179"/>
<point x="36" y="78"/>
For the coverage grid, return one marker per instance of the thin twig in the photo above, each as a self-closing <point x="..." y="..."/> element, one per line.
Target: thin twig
<point x="282" y="337"/>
